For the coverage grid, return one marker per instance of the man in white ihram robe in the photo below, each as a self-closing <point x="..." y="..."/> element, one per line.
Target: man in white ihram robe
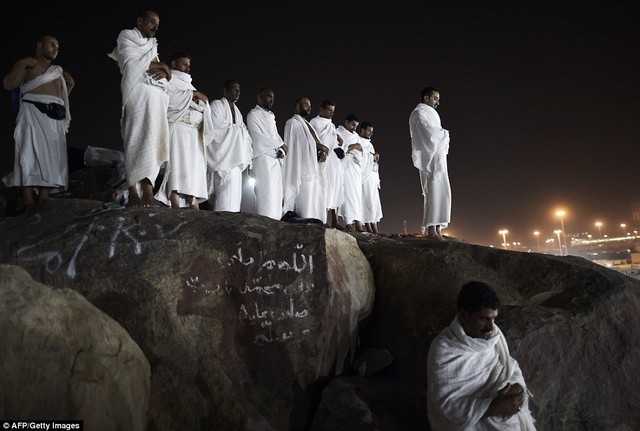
<point x="351" y="208"/>
<point x="268" y="151"/>
<point x="191" y="129"/>
<point x="331" y="170"/>
<point x="473" y="384"/>
<point x="229" y="152"/>
<point x="371" y="206"/>
<point x="145" y="98"/>
<point x="430" y="146"/>
<point x="301" y="176"/>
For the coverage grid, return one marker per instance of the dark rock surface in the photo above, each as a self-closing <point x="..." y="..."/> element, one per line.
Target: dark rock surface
<point x="62" y="358"/>
<point x="238" y="315"/>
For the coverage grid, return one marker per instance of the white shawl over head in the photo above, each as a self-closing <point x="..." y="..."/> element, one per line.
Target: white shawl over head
<point x="301" y="163"/>
<point x="464" y="375"/>
<point x="231" y="143"/>
<point x="134" y="54"/>
<point x="427" y="136"/>
<point x="265" y="139"/>
<point x="51" y="74"/>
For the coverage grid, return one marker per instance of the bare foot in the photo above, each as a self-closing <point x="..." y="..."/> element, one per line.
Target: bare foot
<point x="435" y="237"/>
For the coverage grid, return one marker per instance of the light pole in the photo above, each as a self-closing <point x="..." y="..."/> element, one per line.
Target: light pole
<point x="504" y="233"/>
<point x="623" y="226"/>
<point x="558" y="232"/>
<point x="599" y="226"/>
<point x="561" y="214"/>
<point x="537" y="235"/>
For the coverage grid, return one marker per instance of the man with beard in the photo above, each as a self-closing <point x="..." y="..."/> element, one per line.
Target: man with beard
<point x="301" y="180"/>
<point x="229" y="153"/>
<point x="268" y="151"/>
<point x="190" y="129"/>
<point x="430" y="146"/>
<point x="331" y="169"/>
<point x="145" y="97"/>
<point x="42" y="122"/>
<point x="351" y="208"/>
<point x="472" y="381"/>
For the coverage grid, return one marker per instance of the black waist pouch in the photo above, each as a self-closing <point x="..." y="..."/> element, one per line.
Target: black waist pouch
<point x="55" y="111"/>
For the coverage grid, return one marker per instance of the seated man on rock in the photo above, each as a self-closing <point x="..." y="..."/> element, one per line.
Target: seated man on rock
<point x="473" y="382"/>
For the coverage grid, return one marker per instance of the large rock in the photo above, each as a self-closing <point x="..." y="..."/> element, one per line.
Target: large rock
<point x="238" y="315"/>
<point x="62" y="358"/>
<point x="573" y="326"/>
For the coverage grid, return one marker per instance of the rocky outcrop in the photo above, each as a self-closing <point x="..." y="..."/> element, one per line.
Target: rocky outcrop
<point x="62" y="358"/>
<point x="572" y="325"/>
<point x="239" y="316"/>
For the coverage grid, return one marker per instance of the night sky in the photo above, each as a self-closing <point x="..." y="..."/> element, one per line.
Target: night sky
<point x="542" y="101"/>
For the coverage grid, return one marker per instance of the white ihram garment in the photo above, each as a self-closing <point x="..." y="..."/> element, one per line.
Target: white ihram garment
<point x="40" y="142"/>
<point x="464" y="375"/>
<point x="267" y="168"/>
<point x="301" y="177"/>
<point x="190" y="128"/>
<point x="430" y="146"/>
<point x="144" y="125"/>
<point x="331" y="170"/>
<point x="351" y="209"/>
<point x="228" y="155"/>
<point x="371" y="206"/>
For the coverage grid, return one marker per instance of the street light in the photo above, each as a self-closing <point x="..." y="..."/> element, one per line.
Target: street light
<point x="537" y="234"/>
<point x="558" y="232"/>
<point x="599" y="226"/>
<point x="504" y="233"/>
<point x="622" y="226"/>
<point x="561" y="214"/>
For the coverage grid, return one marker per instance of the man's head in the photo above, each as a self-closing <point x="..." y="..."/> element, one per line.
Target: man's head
<point x="366" y="130"/>
<point x="351" y="122"/>
<point x="478" y="306"/>
<point x="231" y="90"/>
<point x="266" y="98"/>
<point x="180" y="61"/>
<point x="147" y="22"/>
<point x="327" y="109"/>
<point x="430" y="96"/>
<point x="303" y="106"/>
<point x="47" y="47"/>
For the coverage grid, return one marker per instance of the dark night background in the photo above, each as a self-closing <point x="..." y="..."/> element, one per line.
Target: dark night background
<point x="541" y="99"/>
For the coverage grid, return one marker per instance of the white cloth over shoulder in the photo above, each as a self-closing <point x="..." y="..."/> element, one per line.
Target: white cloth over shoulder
<point x="430" y="146"/>
<point x="331" y="170"/>
<point x="231" y="143"/>
<point x="51" y="74"/>
<point x="267" y="168"/>
<point x="371" y="205"/>
<point x="351" y="208"/>
<point x="464" y="375"/>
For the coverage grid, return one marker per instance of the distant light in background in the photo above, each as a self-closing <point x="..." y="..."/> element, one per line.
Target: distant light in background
<point x="561" y="214"/>
<point x="537" y="235"/>
<point x="623" y="226"/>
<point x="599" y="226"/>
<point x="504" y="233"/>
<point x="558" y="232"/>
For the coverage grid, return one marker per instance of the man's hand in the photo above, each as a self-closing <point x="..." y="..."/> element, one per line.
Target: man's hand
<point x="29" y="62"/>
<point x="340" y="140"/>
<point x="376" y="157"/>
<point x="285" y="148"/>
<point x="323" y="150"/>
<point x="355" y="146"/>
<point x="200" y="96"/>
<point x="68" y="79"/>
<point x="508" y="401"/>
<point x="157" y="74"/>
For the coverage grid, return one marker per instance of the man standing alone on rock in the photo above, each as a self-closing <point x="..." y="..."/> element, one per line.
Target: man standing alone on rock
<point x="472" y="381"/>
<point x="43" y="120"/>
<point x="430" y="146"/>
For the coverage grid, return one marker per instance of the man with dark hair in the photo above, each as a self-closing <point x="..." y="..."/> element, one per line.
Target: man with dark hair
<point x="42" y="123"/>
<point x="229" y="152"/>
<point x="331" y="169"/>
<point x="430" y="146"/>
<point x="472" y="381"/>
<point x="145" y="97"/>
<point x="190" y="130"/>
<point x="371" y="206"/>
<point x="351" y="208"/>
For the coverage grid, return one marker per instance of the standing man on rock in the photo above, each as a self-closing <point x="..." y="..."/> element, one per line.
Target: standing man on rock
<point x="331" y="169"/>
<point x="145" y="98"/>
<point x="371" y="206"/>
<point x="472" y="381"/>
<point x="42" y="122"/>
<point x="191" y="129"/>
<point x="303" y="191"/>
<point x="430" y="146"/>
<point x="268" y="152"/>
<point x="351" y="208"/>
<point x="229" y="153"/>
